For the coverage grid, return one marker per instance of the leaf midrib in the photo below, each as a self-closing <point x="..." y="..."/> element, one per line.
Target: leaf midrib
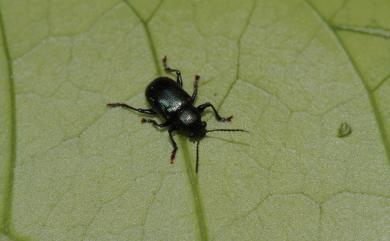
<point x="192" y="178"/>
<point x="7" y="210"/>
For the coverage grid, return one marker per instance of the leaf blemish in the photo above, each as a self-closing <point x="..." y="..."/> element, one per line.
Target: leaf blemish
<point x="344" y="130"/>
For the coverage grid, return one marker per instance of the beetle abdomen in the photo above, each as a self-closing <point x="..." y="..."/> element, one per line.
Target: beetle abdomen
<point x="166" y="96"/>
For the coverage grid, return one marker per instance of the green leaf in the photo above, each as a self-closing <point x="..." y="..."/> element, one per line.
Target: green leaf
<point x="292" y="73"/>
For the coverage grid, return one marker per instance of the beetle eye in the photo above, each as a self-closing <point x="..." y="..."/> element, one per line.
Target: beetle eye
<point x="204" y="124"/>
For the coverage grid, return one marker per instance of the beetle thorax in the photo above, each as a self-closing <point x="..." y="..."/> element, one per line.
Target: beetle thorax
<point x="188" y="116"/>
<point x="189" y="121"/>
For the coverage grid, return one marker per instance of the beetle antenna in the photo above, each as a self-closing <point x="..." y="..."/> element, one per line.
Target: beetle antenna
<point x="231" y="130"/>
<point x="197" y="157"/>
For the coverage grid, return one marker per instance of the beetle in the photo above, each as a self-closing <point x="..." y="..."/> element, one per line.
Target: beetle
<point x="168" y="99"/>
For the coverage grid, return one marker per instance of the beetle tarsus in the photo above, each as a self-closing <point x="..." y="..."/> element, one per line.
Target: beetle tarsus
<point x="195" y="93"/>
<point x="173" y="156"/>
<point x="173" y="153"/>
<point x="154" y="123"/>
<point x="168" y="69"/>
<point x="202" y="107"/>
<point x="164" y="61"/>
<point x="227" y="119"/>
<point x="126" y="106"/>
<point x="111" y="105"/>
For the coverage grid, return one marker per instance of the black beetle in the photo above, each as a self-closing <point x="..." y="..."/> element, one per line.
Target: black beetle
<point x="168" y="99"/>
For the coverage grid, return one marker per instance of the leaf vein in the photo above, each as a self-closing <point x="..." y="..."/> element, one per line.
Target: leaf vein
<point x="377" y="114"/>
<point x="376" y="32"/>
<point x="12" y="140"/>
<point x="148" y="34"/>
<point x="238" y="43"/>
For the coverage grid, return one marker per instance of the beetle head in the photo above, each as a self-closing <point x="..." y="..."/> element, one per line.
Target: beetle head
<point x="198" y="130"/>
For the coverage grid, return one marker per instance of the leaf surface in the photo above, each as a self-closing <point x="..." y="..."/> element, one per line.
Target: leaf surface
<point x="291" y="72"/>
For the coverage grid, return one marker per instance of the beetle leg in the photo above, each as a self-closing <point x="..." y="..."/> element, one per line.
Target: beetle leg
<point x="202" y="107"/>
<point x="170" y="70"/>
<point x="173" y="153"/>
<point x="165" y="124"/>
<point x="125" y="106"/>
<point x="195" y="93"/>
